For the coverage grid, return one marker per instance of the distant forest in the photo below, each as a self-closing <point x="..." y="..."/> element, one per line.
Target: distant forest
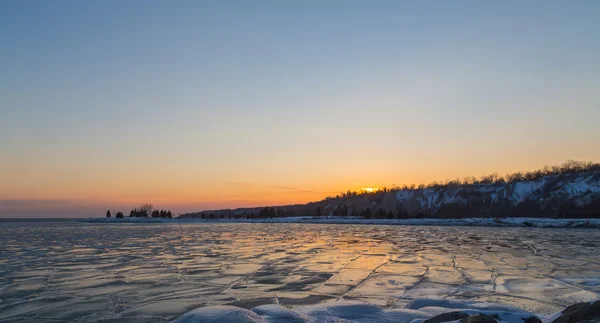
<point x="568" y="167"/>
<point x="379" y="204"/>
<point x="144" y="211"/>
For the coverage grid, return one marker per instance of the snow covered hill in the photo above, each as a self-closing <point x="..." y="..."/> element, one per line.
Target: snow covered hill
<point x="565" y="195"/>
<point x="570" y="195"/>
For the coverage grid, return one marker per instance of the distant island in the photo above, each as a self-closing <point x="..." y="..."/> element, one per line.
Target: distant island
<point x="145" y="210"/>
<point x="569" y="190"/>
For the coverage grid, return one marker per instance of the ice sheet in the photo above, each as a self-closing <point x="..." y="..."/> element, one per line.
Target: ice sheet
<point x="157" y="272"/>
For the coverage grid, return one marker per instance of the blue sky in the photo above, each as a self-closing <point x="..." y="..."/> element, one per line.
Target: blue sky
<point x="122" y="102"/>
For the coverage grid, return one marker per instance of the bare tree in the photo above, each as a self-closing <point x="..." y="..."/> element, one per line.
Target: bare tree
<point x="147" y="207"/>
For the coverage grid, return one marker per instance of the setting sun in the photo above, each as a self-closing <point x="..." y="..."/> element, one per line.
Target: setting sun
<point x="370" y="189"/>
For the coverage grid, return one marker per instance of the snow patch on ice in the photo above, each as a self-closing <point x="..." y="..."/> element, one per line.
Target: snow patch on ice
<point x="354" y="311"/>
<point x="220" y="313"/>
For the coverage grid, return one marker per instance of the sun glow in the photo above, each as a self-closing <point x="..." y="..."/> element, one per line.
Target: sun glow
<point x="370" y="189"/>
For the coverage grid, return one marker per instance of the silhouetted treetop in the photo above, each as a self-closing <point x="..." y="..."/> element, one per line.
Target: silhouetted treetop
<point x="568" y="167"/>
<point x="145" y="210"/>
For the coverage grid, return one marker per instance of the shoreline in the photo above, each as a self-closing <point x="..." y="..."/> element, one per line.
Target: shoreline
<point x="477" y="222"/>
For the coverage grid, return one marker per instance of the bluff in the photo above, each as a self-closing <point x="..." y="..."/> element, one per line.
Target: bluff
<point x="565" y="195"/>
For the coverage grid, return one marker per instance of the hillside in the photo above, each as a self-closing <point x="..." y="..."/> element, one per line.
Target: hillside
<point x="565" y="195"/>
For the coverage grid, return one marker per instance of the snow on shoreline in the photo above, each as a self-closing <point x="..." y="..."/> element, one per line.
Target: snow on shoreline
<point x="416" y="311"/>
<point x="480" y="222"/>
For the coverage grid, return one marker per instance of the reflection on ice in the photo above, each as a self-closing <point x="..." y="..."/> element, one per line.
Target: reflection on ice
<point x="157" y="272"/>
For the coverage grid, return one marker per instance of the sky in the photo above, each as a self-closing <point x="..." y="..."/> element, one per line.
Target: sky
<point x="194" y="105"/>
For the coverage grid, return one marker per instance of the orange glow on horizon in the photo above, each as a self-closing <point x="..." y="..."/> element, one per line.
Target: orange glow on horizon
<point x="370" y="189"/>
<point x="185" y="188"/>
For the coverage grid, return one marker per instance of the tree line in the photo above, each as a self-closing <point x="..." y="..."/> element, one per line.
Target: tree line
<point x="264" y="213"/>
<point x="144" y="211"/>
<point x="476" y="206"/>
<point x="568" y="167"/>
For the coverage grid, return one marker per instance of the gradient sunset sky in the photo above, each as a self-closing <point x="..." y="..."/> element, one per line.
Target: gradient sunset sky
<point x="194" y="105"/>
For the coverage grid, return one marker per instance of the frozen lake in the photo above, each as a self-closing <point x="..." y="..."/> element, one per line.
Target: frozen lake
<point x="156" y="272"/>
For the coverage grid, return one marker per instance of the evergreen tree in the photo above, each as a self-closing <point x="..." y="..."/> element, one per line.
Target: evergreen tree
<point x="108" y="213"/>
<point x="367" y="213"/>
<point x="401" y="214"/>
<point x="267" y="212"/>
<point x="344" y="210"/>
